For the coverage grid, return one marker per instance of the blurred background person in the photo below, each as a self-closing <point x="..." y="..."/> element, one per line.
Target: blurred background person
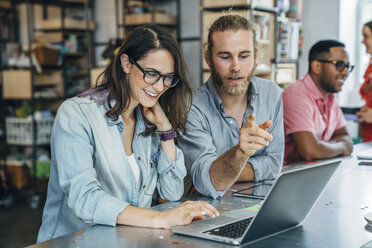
<point x="366" y="89"/>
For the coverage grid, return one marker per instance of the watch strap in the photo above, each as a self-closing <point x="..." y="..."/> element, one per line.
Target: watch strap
<point x="167" y="135"/>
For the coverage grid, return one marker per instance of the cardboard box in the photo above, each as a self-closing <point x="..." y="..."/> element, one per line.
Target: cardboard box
<point x="17" y="83"/>
<point x="286" y="73"/>
<point x="68" y="23"/>
<point x="264" y="3"/>
<point x="49" y="78"/>
<point x="232" y="3"/>
<point x="269" y="75"/>
<point x="46" y="56"/>
<point x="140" y="19"/>
<point x="224" y="3"/>
<point x="5" y="4"/>
<point x="17" y="175"/>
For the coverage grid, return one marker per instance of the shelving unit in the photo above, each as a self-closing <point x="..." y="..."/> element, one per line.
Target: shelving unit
<point x="77" y="34"/>
<point x="58" y="69"/>
<point x="139" y="12"/>
<point x="288" y="49"/>
<point x="7" y="35"/>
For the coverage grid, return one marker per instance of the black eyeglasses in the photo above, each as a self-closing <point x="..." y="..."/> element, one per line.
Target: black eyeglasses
<point x="340" y="65"/>
<point x="152" y="77"/>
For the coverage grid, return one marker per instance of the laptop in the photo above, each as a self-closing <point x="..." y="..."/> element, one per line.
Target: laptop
<point x="366" y="154"/>
<point x="288" y="203"/>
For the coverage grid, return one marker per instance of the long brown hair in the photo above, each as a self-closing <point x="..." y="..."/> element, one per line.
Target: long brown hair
<point x="175" y="101"/>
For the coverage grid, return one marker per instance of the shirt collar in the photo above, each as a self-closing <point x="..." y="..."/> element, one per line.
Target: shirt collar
<point x="140" y="124"/>
<point x="216" y="97"/>
<point x="314" y="91"/>
<point x="111" y="121"/>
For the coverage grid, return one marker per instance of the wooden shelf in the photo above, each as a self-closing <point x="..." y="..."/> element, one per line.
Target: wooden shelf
<point x="265" y="9"/>
<point x="62" y="3"/>
<point x="219" y="5"/>
<point x="5" y="5"/>
<point x="77" y="74"/>
<point x="75" y="54"/>
<point x="287" y="19"/>
<point x="147" y="18"/>
<point x="234" y="8"/>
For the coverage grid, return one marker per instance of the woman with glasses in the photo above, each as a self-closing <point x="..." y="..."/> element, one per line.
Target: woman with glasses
<point x="113" y="146"/>
<point x="366" y="89"/>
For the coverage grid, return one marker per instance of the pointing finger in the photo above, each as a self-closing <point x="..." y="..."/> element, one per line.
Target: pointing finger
<point x="250" y="120"/>
<point x="266" y="125"/>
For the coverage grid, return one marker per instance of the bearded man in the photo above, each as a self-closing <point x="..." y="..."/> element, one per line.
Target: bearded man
<point x="235" y="125"/>
<point x="314" y="123"/>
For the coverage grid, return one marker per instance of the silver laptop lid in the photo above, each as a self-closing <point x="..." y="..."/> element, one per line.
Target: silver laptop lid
<point x="291" y="199"/>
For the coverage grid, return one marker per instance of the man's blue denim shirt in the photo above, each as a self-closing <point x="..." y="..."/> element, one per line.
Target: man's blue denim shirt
<point x="91" y="181"/>
<point x="211" y="133"/>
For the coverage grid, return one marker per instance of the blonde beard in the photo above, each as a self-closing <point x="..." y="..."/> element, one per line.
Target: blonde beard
<point x="233" y="90"/>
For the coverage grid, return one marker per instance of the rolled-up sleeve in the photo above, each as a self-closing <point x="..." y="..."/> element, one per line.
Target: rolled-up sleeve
<point x="268" y="162"/>
<point x="171" y="175"/>
<point x="200" y="153"/>
<point x="72" y="151"/>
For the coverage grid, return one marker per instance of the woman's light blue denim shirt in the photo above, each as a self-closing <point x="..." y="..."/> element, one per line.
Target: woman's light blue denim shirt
<point x="91" y="180"/>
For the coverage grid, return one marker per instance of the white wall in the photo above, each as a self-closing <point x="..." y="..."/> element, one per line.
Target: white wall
<point x="320" y="21"/>
<point x="105" y="24"/>
<point x="350" y="34"/>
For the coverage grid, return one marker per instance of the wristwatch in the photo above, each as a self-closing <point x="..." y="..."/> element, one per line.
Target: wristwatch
<point x="167" y="135"/>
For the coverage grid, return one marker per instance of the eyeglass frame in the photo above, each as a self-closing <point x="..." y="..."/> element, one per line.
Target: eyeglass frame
<point x="153" y="71"/>
<point x="334" y="62"/>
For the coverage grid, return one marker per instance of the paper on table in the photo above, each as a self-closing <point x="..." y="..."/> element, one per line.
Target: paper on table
<point x="253" y="208"/>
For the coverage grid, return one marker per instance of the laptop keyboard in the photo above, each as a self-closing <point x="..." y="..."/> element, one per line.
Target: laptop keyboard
<point x="233" y="230"/>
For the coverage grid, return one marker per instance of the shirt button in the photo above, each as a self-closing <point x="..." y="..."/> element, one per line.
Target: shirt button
<point x="231" y="122"/>
<point x="138" y="158"/>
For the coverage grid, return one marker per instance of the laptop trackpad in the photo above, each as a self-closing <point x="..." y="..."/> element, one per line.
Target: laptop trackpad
<point x="217" y="220"/>
<point x="201" y="225"/>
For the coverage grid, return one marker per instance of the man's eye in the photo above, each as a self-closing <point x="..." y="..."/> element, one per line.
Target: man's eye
<point x="225" y="57"/>
<point x="244" y="56"/>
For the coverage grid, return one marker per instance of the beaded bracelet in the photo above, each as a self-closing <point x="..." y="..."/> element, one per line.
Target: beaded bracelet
<point x="167" y="135"/>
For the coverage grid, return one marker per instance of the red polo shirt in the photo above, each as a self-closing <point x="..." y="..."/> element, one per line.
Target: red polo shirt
<point x="305" y="109"/>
